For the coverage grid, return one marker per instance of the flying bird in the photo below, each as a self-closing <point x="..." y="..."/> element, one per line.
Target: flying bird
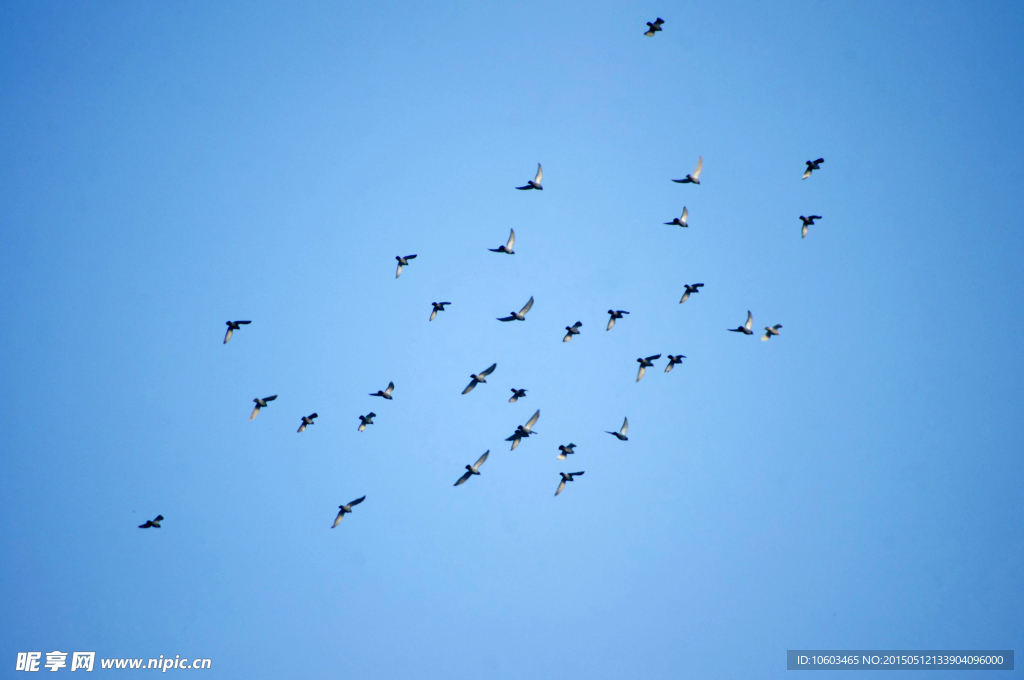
<point x="515" y="395"/>
<point x="654" y="27"/>
<point x="520" y="315"/>
<point x="473" y="469"/>
<point x="690" y="289"/>
<point x="566" y="451"/>
<point x="477" y="378"/>
<point x="644" y="363"/>
<point x="386" y="393"/>
<point x="812" y="166"/>
<point x="366" y="420"/>
<point x="613" y="315"/>
<point x="673" y="360"/>
<point x="535" y="182"/>
<point x="693" y="177"/>
<point x="808" y="221"/>
<point x="403" y="262"/>
<point x="155" y="522"/>
<point x="566" y="477"/>
<point x="769" y="331"/>
<point x="307" y="420"/>
<point x="260" y="403"/>
<point x="507" y="248"/>
<point x="523" y="431"/>
<point x="745" y="328"/>
<point x="680" y="221"/>
<point x="344" y="509"/>
<point x="621" y="434"/>
<point x="232" y="327"/>
<point x="438" y="307"/>
<point x="571" y="331"/>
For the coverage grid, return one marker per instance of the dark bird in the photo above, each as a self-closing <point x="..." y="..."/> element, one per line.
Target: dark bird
<point x="232" y="327"/>
<point x="403" y="262"/>
<point x="155" y="522"/>
<point x="535" y="182"/>
<point x="260" y="403"/>
<point x="384" y="393"/>
<point x="680" y="221"/>
<point x="571" y="331"/>
<point x="523" y="431"/>
<point x="613" y="315"/>
<point x="520" y="315"/>
<point x="673" y="360"/>
<point x="477" y="378"/>
<point x="307" y="420"/>
<point x="473" y="469"/>
<point x="769" y="331"/>
<point x="507" y="248"/>
<point x="566" y="477"/>
<point x="366" y="420"/>
<point x="812" y="166"/>
<point x="745" y="328"/>
<point x="566" y="451"/>
<point x="808" y="221"/>
<point x="438" y="307"/>
<point x="621" y="434"/>
<point x="654" y="27"/>
<point x="690" y="289"/>
<point x="644" y="363"/>
<point x="344" y="509"/>
<point x="515" y="395"/>
<point x="693" y="177"/>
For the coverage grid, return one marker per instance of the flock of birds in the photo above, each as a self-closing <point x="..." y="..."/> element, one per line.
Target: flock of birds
<point x="524" y="431"/>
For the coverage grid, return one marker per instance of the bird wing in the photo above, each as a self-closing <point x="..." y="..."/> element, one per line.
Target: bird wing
<point x="686" y="296"/>
<point x="540" y="174"/>
<point x="652" y="358"/>
<point x="750" y="321"/>
<point x="390" y="389"/>
<point x="357" y="501"/>
<point x="625" y="426"/>
<point x="270" y="398"/>
<point x="433" y="315"/>
<point x="686" y="213"/>
<point x="611" y="322"/>
<point x="561" y="485"/>
<point x="489" y="370"/>
<point x="337" y="520"/>
<point x="815" y="217"/>
<point x="526" y="307"/>
<point x="466" y="475"/>
<point x="532" y="421"/>
<point x="227" y="336"/>
<point x="807" y="172"/>
<point x="568" y="336"/>
<point x="640" y="373"/>
<point x="470" y="386"/>
<point x="575" y="474"/>
<point x="777" y="326"/>
<point x="481" y="459"/>
<point x="506" y="318"/>
<point x="515" y="442"/>
<point x="410" y="257"/>
<point x="766" y="336"/>
<point x="511" y="239"/>
<point x="700" y="166"/>
<point x="803" y="231"/>
<point x="398" y="272"/>
<point x="255" y="412"/>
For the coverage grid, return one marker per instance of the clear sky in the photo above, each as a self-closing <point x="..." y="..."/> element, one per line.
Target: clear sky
<point x="857" y="482"/>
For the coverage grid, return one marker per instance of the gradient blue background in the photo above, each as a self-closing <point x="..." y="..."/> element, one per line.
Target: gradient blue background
<point x="855" y="483"/>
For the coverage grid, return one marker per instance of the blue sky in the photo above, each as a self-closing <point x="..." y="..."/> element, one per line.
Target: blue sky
<point x="854" y="483"/>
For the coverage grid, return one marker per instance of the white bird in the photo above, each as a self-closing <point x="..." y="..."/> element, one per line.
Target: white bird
<point x="690" y="289"/>
<point x="232" y="327"/>
<point x="571" y="331"/>
<point x="807" y="221"/>
<point x="155" y="522"/>
<point x="653" y="27"/>
<point x="673" y="360"/>
<point x="386" y="393"/>
<point x="477" y="378"/>
<point x="507" y="248"/>
<point x="473" y="469"/>
<point x="644" y="363"/>
<point x="566" y="451"/>
<point x="402" y="262"/>
<point x="681" y="221"/>
<point x="307" y="420"/>
<point x="438" y="307"/>
<point x="693" y="177"/>
<point x="566" y="477"/>
<point x="366" y="420"/>
<point x="516" y="394"/>
<point x="613" y="315"/>
<point x="746" y="328"/>
<point x="811" y="166"/>
<point x="260" y="403"/>
<point x="520" y="315"/>
<point x="535" y="182"/>
<point x="621" y="434"/>
<point x="769" y="331"/>
<point x="343" y="509"/>
<point x="523" y="431"/>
